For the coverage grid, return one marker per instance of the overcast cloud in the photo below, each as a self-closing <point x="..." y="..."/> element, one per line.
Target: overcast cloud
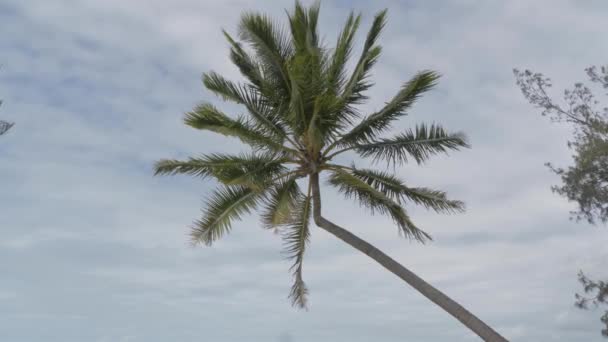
<point x="93" y="248"/>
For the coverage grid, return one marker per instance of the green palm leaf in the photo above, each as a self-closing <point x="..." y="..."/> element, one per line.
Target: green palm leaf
<point x="341" y="53"/>
<point x="303" y="25"/>
<point x="376" y="201"/>
<point x="378" y="122"/>
<point x="419" y="144"/>
<point x="433" y="199"/>
<point x="296" y="236"/>
<point x="271" y="44"/>
<point x="281" y="203"/>
<point x="254" y="171"/>
<point x="223" y="207"/>
<point x="208" y="117"/>
<point x="358" y="82"/>
<point x="261" y="110"/>
<point x="395" y="189"/>
<point x="247" y="64"/>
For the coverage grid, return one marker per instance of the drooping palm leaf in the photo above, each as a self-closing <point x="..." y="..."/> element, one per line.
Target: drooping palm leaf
<point x="224" y="206"/>
<point x="281" y="203"/>
<point x="296" y="236"/>
<point x="395" y="189"/>
<point x="376" y="201"/>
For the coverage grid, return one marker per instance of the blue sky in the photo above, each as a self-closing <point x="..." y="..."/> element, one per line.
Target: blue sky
<point x="94" y="248"/>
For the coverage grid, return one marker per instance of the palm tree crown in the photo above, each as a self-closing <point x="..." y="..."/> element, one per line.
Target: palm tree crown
<point x="301" y="112"/>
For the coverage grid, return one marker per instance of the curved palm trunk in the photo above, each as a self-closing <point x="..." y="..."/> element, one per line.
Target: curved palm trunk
<point x="436" y="296"/>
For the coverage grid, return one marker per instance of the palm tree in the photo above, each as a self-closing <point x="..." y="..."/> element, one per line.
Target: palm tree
<point x="302" y="113"/>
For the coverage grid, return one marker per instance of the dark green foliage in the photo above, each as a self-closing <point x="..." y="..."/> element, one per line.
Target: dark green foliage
<point x="301" y="112"/>
<point x="281" y="204"/>
<point x="224" y="206"/>
<point x="296" y="235"/>
<point x="395" y="189"/>
<point x="207" y="117"/>
<point x="599" y="292"/>
<point x="254" y="171"/>
<point x="380" y="121"/>
<point x="419" y="144"/>
<point x="370" y="197"/>
<point x="585" y="182"/>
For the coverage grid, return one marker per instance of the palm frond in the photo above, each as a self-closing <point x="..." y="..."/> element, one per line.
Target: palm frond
<point x="295" y="237"/>
<point x="271" y="44"/>
<point x="208" y="117"/>
<point x="358" y="82"/>
<point x="261" y="110"/>
<point x="394" y="188"/>
<point x="376" y="201"/>
<point x="386" y="183"/>
<point x="222" y="208"/>
<point x="419" y="144"/>
<point x="315" y="132"/>
<point x="303" y="25"/>
<point x="281" y="202"/>
<point x="246" y="63"/>
<point x="433" y="199"/>
<point x="226" y="89"/>
<point x="253" y="171"/>
<point x="376" y="123"/>
<point x="341" y="53"/>
<point x="253" y="71"/>
<point x="306" y="70"/>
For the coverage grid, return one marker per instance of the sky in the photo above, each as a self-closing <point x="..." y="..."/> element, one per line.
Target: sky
<point x="93" y="247"/>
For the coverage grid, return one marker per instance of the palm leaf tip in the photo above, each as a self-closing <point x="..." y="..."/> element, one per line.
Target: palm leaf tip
<point x="341" y="53"/>
<point x="358" y="82"/>
<point x="174" y="167"/>
<point x="299" y="293"/>
<point x="353" y="187"/>
<point x="433" y="199"/>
